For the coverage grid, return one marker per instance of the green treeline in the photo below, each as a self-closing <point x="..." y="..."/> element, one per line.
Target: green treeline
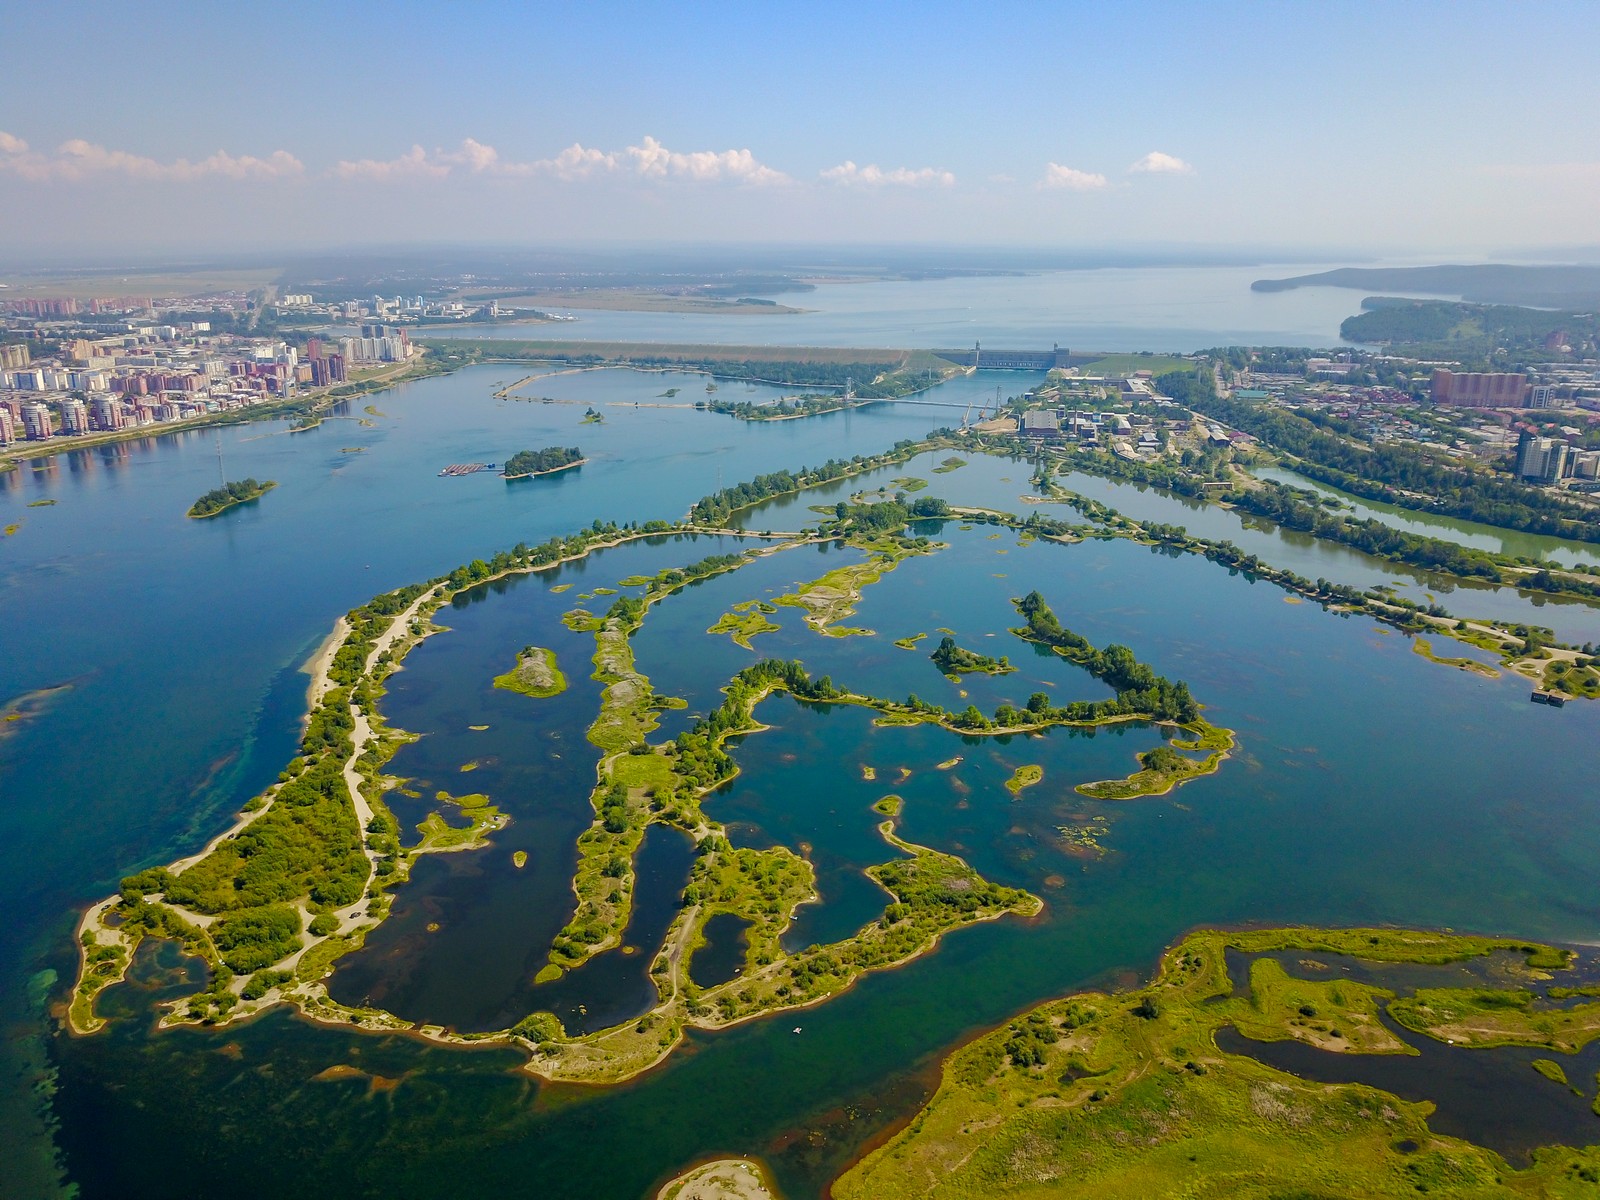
<point x="1283" y="505"/>
<point x="534" y="462"/>
<point x="674" y="577"/>
<point x="719" y="506"/>
<point x="886" y="516"/>
<point x="801" y="406"/>
<point x="1390" y="472"/>
<point x="1139" y="689"/>
<point x="225" y="497"/>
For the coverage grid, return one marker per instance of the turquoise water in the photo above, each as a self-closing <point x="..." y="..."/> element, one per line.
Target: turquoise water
<point x="1370" y="786"/>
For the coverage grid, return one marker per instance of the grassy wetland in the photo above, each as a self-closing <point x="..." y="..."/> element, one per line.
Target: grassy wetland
<point x="1121" y="1094"/>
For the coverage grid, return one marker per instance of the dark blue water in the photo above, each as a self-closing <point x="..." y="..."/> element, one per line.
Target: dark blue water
<point x="722" y="957"/>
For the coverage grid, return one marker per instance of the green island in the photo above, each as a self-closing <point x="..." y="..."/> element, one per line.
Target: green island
<point x="536" y="674"/>
<point x="229" y="495"/>
<point x="745" y="621"/>
<point x="956" y="662"/>
<point x="1118" y="1094"/>
<point x="1024" y="777"/>
<point x="525" y="464"/>
<point x="788" y="409"/>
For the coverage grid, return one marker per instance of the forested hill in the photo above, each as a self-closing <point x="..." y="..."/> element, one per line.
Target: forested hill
<point x="1471" y="332"/>
<point x="1488" y="283"/>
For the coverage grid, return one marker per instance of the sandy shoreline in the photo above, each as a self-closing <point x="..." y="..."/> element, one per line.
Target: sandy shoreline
<point x="320" y="663"/>
<point x="721" y="1179"/>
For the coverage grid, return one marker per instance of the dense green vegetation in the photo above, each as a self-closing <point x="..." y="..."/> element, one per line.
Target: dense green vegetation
<point x="1289" y="507"/>
<point x="954" y="660"/>
<point x="221" y="499"/>
<point x="256" y="938"/>
<point x="306" y="844"/>
<point x="716" y="508"/>
<point x="538" y="462"/>
<point x="1476" y="333"/>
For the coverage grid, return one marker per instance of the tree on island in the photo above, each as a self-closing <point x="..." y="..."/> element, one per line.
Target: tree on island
<point x="953" y="660"/>
<point x="537" y="462"/>
<point x="229" y="494"/>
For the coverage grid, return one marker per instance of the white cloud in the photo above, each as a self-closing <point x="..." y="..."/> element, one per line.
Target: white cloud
<point x="1157" y="163"/>
<point x="654" y="161"/>
<point x="873" y="175"/>
<point x="576" y="162"/>
<point x="1072" y="179"/>
<point x="651" y="160"/>
<point x="479" y="159"/>
<point x="413" y="164"/>
<point x="78" y="159"/>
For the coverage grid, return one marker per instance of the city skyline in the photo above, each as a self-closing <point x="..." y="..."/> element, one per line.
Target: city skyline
<point x="1392" y="130"/>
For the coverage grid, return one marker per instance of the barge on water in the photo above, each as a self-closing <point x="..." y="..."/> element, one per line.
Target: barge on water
<point x="1553" y="699"/>
<point x="467" y="468"/>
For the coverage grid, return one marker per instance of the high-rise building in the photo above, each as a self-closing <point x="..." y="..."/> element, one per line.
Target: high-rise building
<point x="37" y="423"/>
<point x="74" y="416"/>
<point x="14" y="356"/>
<point x="1479" y="389"/>
<point x="108" y="413"/>
<point x="1541" y="459"/>
<point x="8" y="428"/>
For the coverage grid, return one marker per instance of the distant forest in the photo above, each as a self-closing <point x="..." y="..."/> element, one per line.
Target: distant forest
<point x="1474" y="332"/>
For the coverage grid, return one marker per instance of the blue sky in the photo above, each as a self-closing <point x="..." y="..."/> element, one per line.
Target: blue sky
<point x="1399" y="127"/>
